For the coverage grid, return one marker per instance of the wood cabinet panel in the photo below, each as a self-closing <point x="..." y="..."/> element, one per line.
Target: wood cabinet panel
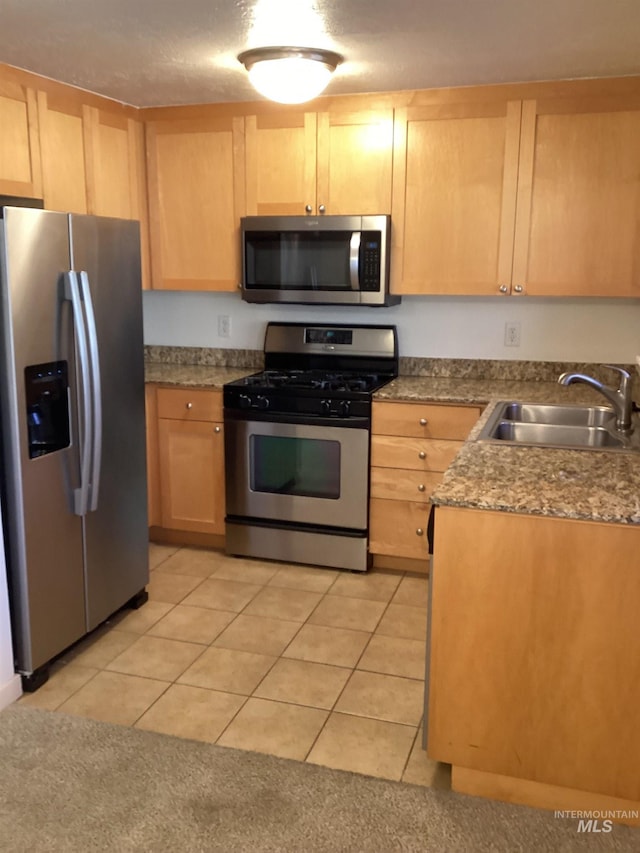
<point x="62" y="143"/>
<point x="20" y="166"/>
<point x="196" y="199"/>
<point x="404" y="484"/>
<point x="398" y="528"/>
<point x="190" y="405"/>
<point x="534" y="671"/>
<point x="577" y="227"/>
<point x="424" y="454"/>
<point x="441" y="421"/>
<point x="153" y="460"/>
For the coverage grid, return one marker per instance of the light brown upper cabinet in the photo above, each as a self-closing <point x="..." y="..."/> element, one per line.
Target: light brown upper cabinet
<point x="62" y="143"/>
<point x="20" y="170"/>
<point x="578" y="223"/>
<point x="329" y="162"/>
<point x="195" y="170"/>
<point x="534" y="197"/>
<point x="455" y="173"/>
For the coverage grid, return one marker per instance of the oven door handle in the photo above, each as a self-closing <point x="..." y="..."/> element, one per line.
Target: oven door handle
<point x="251" y="415"/>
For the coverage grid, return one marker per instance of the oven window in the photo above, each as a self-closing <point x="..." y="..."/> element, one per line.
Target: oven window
<point x="307" y="467"/>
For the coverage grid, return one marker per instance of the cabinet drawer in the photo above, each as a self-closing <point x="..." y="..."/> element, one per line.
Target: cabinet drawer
<point x="420" y="454"/>
<point x="181" y="404"/>
<point x="404" y="485"/>
<point x="424" y="420"/>
<point x="398" y="528"/>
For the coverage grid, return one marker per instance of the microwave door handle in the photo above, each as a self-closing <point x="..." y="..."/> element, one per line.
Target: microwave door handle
<point x="354" y="260"/>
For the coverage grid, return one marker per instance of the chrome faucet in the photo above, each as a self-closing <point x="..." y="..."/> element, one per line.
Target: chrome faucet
<point x="620" y="397"/>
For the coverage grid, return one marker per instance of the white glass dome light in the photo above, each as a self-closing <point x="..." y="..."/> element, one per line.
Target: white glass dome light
<point x="290" y="75"/>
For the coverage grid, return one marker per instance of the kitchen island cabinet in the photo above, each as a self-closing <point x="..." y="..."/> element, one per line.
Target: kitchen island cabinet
<point x="331" y="161"/>
<point x="534" y="663"/>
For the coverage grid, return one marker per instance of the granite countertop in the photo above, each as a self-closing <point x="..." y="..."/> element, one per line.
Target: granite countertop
<point x="193" y="375"/>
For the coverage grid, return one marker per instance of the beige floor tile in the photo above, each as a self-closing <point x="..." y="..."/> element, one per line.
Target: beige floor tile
<point x="114" y="698"/>
<point x="383" y="697"/>
<point x="258" y="634"/>
<point x="229" y="670"/>
<point x="304" y="577"/>
<point x="276" y="603"/>
<point x="158" y="553"/>
<point x="245" y="570"/>
<point x="363" y="746"/>
<point x="101" y="649"/>
<point x="413" y="591"/>
<point x="275" y="728"/>
<point x="222" y="595"/>
<point x="337" y="646"/>
<point x="336" y="611"/>
<point x="169" y="588"/>
<point x="422" y="770"/>
<point x="156" y="657"/>
<point x="194" y="562"/>
<point x="192" y="624"/>
<point x="374" y="585"/>
<point x="60" y="686"/>
<point x="394" y="656"/>
<point x="191" y="712"/>
<point x="400" y="620"/>
<point x="316" y="685"/>
<point x="139" y="621"/>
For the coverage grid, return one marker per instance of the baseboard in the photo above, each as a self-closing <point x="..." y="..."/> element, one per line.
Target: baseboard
<point x="165" y="536"/>
<point x="401" y="564"/>
<point x="10" y="691"/>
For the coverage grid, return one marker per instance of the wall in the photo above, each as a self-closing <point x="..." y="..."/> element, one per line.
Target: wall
<point x="591" y="330"/>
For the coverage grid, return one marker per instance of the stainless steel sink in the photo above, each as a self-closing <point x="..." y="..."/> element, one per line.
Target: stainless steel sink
<point x="576" y="427"/>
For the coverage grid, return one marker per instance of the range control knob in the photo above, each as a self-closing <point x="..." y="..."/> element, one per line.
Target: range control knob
<point x="244" y="401"/>
<point x="345" y="408"/>
<point x="325" y="407"/>
<point x="262" y="402"/>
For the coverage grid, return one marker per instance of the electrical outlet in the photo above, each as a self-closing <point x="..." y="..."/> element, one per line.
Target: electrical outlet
<point x="224" y="326"/>
<point x="512" y="334"/>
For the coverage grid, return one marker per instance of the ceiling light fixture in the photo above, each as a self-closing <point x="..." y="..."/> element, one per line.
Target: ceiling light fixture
<point x="290" y="75"/>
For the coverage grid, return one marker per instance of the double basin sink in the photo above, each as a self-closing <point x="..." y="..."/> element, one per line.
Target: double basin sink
<point x="548" y="425"/>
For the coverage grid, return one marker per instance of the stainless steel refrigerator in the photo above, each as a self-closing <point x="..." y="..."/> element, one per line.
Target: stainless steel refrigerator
<point x="73" y="428"/>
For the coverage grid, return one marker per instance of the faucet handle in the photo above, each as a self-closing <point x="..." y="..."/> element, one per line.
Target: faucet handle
<point x="625" y="376"/>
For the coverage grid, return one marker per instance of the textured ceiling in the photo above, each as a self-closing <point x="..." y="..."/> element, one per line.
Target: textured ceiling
<point x="164" y="52"/>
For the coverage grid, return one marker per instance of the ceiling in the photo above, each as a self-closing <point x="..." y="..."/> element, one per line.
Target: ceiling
<point x="166" y="52"/>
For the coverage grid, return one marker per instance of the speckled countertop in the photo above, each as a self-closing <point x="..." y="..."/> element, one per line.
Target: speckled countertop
<point x="580" y="484"/>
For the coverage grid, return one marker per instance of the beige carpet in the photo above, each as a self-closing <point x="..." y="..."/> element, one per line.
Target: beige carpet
<point x="71" y="784"/>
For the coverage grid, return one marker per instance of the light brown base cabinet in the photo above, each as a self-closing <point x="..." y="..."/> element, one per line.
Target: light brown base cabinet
<point x="412" y="444"/>
<point x="190" y="462"/>
<point x="534" y="658"/>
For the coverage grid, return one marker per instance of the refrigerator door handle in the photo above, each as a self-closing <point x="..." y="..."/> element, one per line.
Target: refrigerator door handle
<point x="72" y="293"/>
<point x="96" y="391"/>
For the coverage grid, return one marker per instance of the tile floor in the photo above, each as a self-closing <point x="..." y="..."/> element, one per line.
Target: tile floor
<point x="305" y="663"/>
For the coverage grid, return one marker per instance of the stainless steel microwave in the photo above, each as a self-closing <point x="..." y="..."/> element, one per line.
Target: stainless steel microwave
<point x="320" y="260"/>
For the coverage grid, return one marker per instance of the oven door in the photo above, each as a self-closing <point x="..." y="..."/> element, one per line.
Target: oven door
<point x="297" y="470"/>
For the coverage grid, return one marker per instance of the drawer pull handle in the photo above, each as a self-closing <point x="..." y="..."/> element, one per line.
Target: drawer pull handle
<point x="423" y="421"/>
<point x="216" y="429"/>
<point x="422" y="455"/>
<point x="419" y="531"/>
<point x="189" y="405"/>
<point x="421" y="487"/>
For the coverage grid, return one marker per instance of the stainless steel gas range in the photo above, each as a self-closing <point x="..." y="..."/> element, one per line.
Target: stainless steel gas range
<point x="297" y="439"/>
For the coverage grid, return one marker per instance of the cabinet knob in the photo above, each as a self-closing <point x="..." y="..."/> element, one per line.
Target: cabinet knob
<point x="189" y="406"/>
<point x="421" y="487"/>
<point x="423" y="421"/>
<point x="308" y="209"/>
<point x="419" y="531"/>
<point x="422" y="455"/>
<point x="519" y="288"/>
<point x="322" y="209"/>
<point x="503" y="288"/>
<point x="216" y="429"/>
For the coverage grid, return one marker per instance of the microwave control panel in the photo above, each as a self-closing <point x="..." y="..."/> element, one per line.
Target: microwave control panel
<point x="370" y="260"/>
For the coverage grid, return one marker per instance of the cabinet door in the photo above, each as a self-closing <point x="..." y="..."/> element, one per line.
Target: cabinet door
<point x="20" y="170"/>
<point x="577" y="226"/>
<point x="153" y="464"/>
<point x="281" y="163"/>
<point x="192" y="475"/>
<point x="355" y="158"/>
<point x="398" y="528"/>
<point x="454" y="197"/>
<point x="196" y="197"/>
<point x="62" y="142"/>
